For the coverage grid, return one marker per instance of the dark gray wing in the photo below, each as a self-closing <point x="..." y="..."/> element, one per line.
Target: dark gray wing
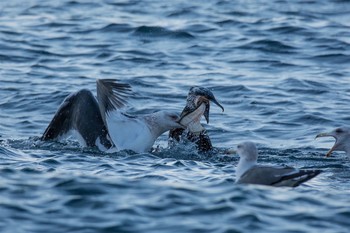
<point x="79" y="111"/>
<point x="277" y="176"/>
<point x="111" y="95"/>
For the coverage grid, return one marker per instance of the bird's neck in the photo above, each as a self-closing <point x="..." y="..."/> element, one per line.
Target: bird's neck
<point x="243" y="166"/>
<point x="343" y="146"/>
<point x="156" y="125"/>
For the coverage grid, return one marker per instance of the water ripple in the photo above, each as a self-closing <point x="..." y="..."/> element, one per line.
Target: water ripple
<point x="148" y="31"/>
<point x="279" y="69"/>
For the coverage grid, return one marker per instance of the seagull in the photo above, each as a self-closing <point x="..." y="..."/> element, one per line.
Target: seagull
<point x="197" y="105"/>
<point x="100" y="122"/>
<point x="342" y="140"/>
<point x="249" y="172"/>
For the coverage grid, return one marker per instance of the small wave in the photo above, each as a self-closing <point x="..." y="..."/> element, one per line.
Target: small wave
<point x="56" y="25"/>
<point x="288" y="30"/>
<point x="308" y="87"/>
<point x="199" y="28"/>
<point x="181" y="13"/>
<point x="312" y="119"/>
<point x="228" y="23"/>
<point x="334" y="58"/>
<point x="149" y="31"/>
<point x="114" y="27"/>
<point x="272" y="46"/>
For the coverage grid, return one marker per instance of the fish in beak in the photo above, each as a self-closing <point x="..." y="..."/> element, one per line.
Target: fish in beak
<point x="198" y="104"/>
<point x="342" y="140"/>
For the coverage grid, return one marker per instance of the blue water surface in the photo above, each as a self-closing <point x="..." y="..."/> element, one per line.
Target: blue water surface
<point x="280" y="68"/>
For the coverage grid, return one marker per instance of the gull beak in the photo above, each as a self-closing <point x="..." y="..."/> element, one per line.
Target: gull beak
<point x="328" y="135"/>
<point x="324" y="135"/>
<point x="181" y="125"/>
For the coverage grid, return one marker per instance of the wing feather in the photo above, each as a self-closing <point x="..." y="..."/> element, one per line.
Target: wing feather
<point x="111" y="95"/>
<point x="277" y="176"/>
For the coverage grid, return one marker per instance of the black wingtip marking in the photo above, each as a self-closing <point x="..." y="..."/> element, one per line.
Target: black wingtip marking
<point x="299" y="177"/>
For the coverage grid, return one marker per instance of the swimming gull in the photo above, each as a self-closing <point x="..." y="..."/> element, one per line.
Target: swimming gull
<point x="197" y="104"/>
<point x="249" y="172"/>
<point x="101" y="122"/>
<point x="342" y="140"/>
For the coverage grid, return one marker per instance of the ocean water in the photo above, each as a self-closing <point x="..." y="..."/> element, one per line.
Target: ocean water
<point x="280" y="68"/>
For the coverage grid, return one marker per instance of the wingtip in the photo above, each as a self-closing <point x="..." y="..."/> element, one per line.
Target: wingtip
<point x="318" y="171"/>
<point x="312" y="173"/>
<point x="112" y="94"/>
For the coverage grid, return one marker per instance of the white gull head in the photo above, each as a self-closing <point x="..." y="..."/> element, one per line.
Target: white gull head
<point x="162" y="121"/>
<point x="248" y="157"/>
<point x="342" y="140"/>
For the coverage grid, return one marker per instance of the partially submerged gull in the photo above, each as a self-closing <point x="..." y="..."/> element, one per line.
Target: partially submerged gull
<point x="249" y="172"/>
<point x="342" y="140"/>
<point x="197" y="104"/>
<point x="100" y="121"/>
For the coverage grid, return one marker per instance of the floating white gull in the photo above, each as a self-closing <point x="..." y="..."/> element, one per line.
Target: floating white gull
<point x="342" y="140"/>
<point x="197" y="104"/>
<point x="100" y="122"/>
<point x="249" y="172"/>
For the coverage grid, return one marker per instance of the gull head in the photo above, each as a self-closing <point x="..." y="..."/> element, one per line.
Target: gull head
<point x="162" y="121"/>
<point x="198" y="104"/>
<point x="166" y="120"/>
<point x="342" y="140"/>
<point x="171" y="119"/>
<point x="248" y="156"/>
<point x="247" y="151"/>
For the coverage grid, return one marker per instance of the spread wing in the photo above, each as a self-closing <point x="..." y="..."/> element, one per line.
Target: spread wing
<point x="111" y="95"/>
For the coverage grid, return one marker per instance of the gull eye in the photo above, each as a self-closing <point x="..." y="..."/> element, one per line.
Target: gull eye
<point x="174" y="117"/>
<point x="339" y="130"/>
<point x="239" y="146"/>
